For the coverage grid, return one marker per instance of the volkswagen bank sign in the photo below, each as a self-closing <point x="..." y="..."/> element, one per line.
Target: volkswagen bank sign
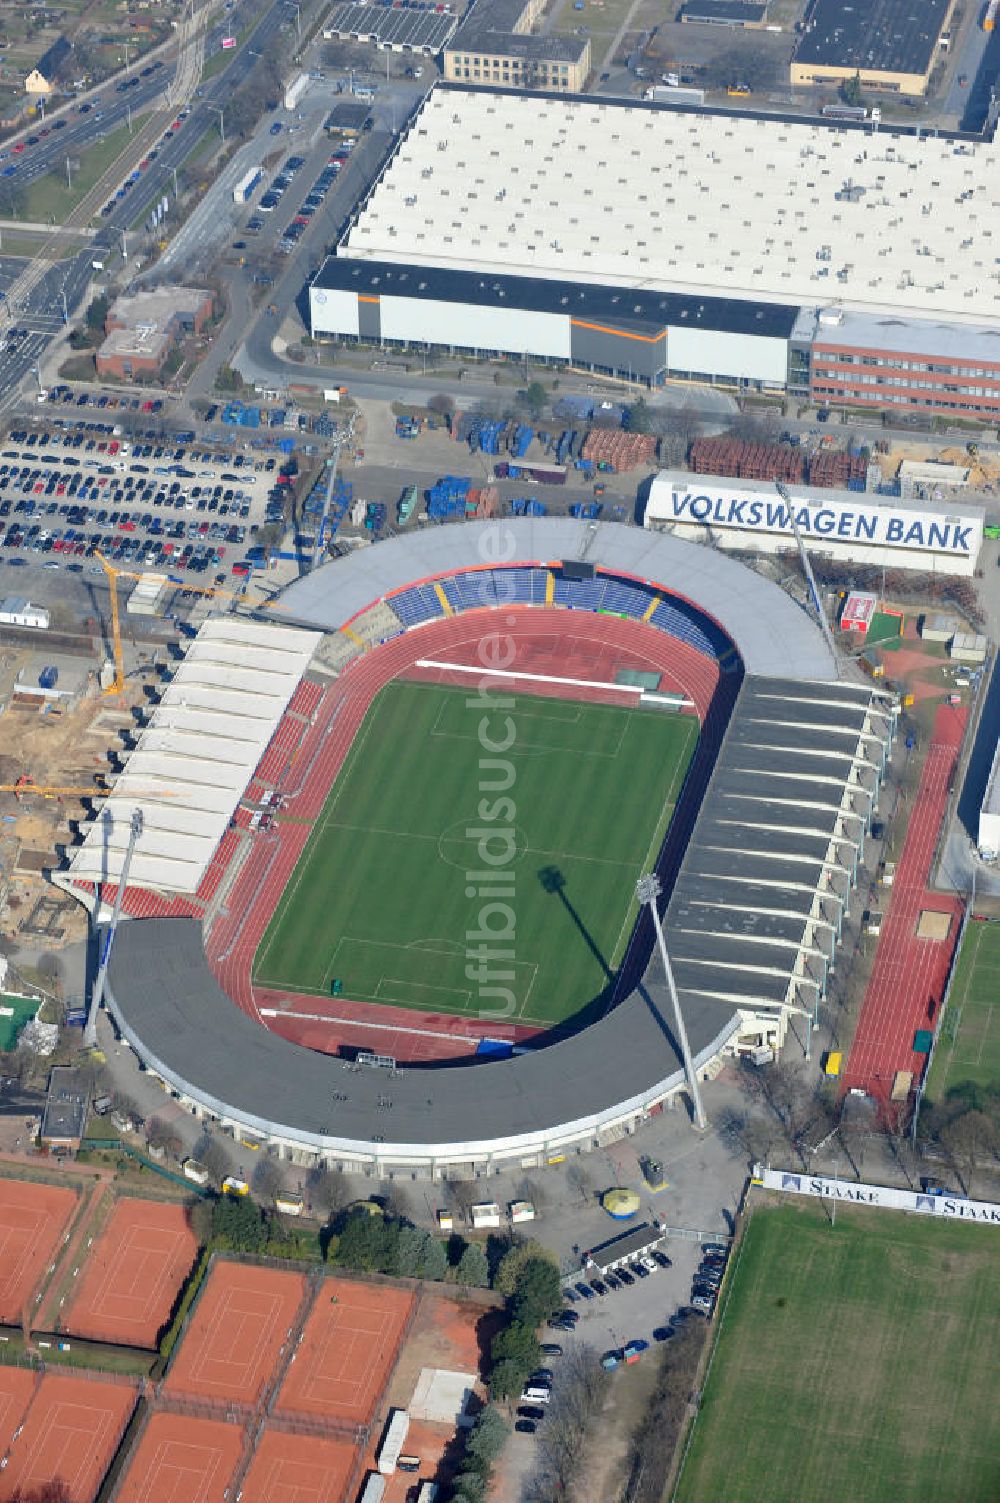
<point x="858" y="528"/>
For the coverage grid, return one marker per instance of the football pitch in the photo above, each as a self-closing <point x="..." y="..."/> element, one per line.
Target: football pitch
<point x="967" y="1052"/>
<point x="456" y="824"/>
<point x="855" y="1361"/>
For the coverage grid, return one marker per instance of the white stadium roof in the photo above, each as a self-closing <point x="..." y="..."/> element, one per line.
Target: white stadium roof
<point x="195" y="758"/>
<point x="697" y="203"/>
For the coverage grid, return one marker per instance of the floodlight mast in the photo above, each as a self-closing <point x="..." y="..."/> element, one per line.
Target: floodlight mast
<point x="97" y="995"/>
<point x="647" y="890"/>
<point x="824" y="624"/>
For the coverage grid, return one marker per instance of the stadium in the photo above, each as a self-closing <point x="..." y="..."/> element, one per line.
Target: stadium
<point x="333" y="947"/>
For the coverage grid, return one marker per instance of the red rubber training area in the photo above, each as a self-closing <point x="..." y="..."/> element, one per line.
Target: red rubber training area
<point x="554" y="641"/>
<point x="909" y="975"/>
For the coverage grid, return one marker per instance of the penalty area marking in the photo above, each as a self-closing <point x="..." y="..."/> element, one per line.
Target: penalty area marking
<point x="534" y="678"/>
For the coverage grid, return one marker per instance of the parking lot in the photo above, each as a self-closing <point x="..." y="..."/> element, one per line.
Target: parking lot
<point x="147" y="503"/>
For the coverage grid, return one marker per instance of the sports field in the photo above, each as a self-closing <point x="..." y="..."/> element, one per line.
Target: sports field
<point x="72" y="1431"/>
<point x="854" y="1362"/>
<point x="968" y="1047"/>
<point x="238" y="1324"/>
<point x="548" y="811"/>
<point x="298" y="1469"/>
<point x="33" y="1220"/>
<point x="349" y="1347"/>
<point x="180" y="1459"/>
<point x="132" y="1274"/>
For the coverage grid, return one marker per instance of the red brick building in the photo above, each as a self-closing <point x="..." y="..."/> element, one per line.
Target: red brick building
<point x="140" y="331"/>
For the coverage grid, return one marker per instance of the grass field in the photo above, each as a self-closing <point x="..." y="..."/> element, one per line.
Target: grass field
<point x="968" y="1047"/>
<point x="854" y="1362"/>
<point x="380" y="898"/>
<point x="51" y="198"/>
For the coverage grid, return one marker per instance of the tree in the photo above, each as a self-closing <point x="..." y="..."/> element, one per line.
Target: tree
<point x="473" y="1269"/>
<point x="516" y="1343"/>
<point x="488" y="1437"/>
<point x="435" y="1260"/>
<point x="640" y="418"/>
<point x="97" y="314"/>
<point x="215" y="1157"/>
<point x="512" y="1264"/>
<point x="50" y="973"/>
<point x="460" y="1195"/>
<point x="969" y="1140"/>
<point x="442" y="404"/>
<point x="328" y="1188"/>
<point x="267" y="1180"/>
<point x="160" y="1134"/>
<point x="411" y="1251"/>
<point x="534" y="397"/>
<point x="237" y="1223"/>
<point x="852" y="93"/>
<point x="507" y="1378"/>
<point x="55" y="1491"/>
<point x="580" y="1179"/>
<point x="538" y="1292"/>
<point x="367" y="1243"/>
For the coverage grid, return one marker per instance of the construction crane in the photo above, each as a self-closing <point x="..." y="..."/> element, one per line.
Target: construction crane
<point x="114" y="574"/>
<point x="25" y="784"/>
<point x="824" y="624"/>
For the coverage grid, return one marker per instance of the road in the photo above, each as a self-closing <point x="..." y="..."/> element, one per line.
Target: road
<point x="57" y="295"/>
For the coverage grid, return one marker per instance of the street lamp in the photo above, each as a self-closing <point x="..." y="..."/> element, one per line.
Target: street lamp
<point x="647" y="890"/>
<point x="97" y="995"/>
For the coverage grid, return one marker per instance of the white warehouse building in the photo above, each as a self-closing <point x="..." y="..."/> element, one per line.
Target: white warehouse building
<point x="855" y="527"/>
<point x="648" y="242"/>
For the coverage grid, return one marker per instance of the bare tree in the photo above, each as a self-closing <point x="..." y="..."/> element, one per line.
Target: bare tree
<point x="267" y="1180"/>
<point x="160" y="1134"/>
<point x="970" y="1140"/>
<point x="216" y="1157"/>
<point x="580" y="1178"/>
<point x="328" y="1189"/>
<point x="461" y="1195"/>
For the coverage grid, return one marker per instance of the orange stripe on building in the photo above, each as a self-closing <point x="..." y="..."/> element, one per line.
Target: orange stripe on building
<point x="580" y="323"/>
<point x="364" y="298"/>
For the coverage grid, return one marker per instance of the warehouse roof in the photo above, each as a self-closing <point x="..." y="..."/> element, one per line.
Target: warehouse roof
<point x="193" y="761"/>
<point x="720" y="205"/>
<point x="876" y="36"/>
<point x="772" y="634"/>
<point x="631" y="309"/>
<point x="723" y="12"/>
<point x="386" y="26"/>
<point x="497" y="27"/>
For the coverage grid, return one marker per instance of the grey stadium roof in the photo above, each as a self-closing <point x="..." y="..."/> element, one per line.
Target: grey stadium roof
<point x="170" y="1007"/>
<point x="773" y="635"/>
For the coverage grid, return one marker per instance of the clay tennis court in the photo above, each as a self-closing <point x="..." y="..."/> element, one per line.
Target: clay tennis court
<point x="182" y="1460"/>
<point x="240" y="1322"/>
<point x="348" y="1349"/>
<point x="72" y="1431"/>
<point x="17" y="1384"/>
<point x="33" y="1218"/>
<point x="133" y="1273"/>
<point x="298" y="1469"/>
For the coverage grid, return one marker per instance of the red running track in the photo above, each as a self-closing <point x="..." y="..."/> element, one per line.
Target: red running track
<point x="908" y="979"/>
<point x="559" y="641"/>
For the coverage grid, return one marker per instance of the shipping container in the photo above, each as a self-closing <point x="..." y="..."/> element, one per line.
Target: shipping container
<point x="396" y="1431"/>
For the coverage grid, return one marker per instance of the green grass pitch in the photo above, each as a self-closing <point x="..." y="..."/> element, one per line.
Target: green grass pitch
<point x="967" y="1052"/>
<point x="380" y="898"/>
<point x="854" y="1362"/>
